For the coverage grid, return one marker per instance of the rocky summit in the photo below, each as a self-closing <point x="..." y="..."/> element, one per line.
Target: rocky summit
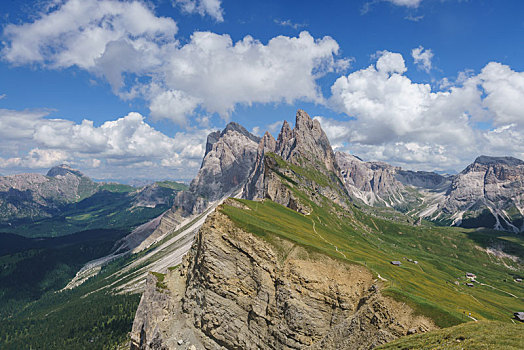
<point x="488" y="193"/>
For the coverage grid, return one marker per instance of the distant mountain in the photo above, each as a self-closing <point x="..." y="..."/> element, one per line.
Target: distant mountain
<point x="35" y="196"/>
<point x="66" y="201"/>
<point x="488" y="193"/>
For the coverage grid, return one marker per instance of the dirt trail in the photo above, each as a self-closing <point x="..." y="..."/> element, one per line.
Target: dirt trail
<point x="500" y="290"/>
<point x="328" y="242"/>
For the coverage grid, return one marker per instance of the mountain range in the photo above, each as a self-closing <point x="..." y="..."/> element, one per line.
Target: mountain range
<point x="285" y="244"/>
<point x="267" y="270"/>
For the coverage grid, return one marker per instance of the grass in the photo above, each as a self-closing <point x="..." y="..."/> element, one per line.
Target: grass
<point x="481" y="335"/>
<point x="435" y="287"/>
<point x="177" y="186"/>
<point x="159" y="280"/>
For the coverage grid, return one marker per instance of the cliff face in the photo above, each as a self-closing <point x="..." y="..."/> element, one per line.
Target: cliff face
<point x="230" y="156"/>
<point x="236" y="290"/>
<point x="381" y="184"/>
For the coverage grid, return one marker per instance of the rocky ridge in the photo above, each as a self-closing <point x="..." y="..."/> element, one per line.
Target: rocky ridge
<point x="487" y="193"/>
<point x="230" y="156"/>
<point x="238" y="291"/>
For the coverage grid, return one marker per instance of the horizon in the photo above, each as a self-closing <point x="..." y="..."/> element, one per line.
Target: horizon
<point x="125" y="89"/>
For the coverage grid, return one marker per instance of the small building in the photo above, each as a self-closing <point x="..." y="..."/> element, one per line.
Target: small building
<point x="410" y="260"/>
<point x="518" y="280"/>
<point x="469" y="284"/>
<point x="519" y="316"/>
<point x="396" y="263"/>
<point x="415" y="262"/>
<point x="471" y="275"/>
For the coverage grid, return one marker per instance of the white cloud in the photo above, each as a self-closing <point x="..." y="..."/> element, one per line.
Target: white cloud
<point x="406" y="3"/>
<point x="422" y="58"/>
<point x="79" y="32"/>
<point x="288" y="23"/>
<point x="504" y="89"/>
<point x="256" y="131"/>
<point x="211" y="8"/>
<point x="397" y="120"/>
<point x="30" y="140"/>
<point x="275" y="127"/>
<point x="2" y="96"/>
<point x="209" y="74"/>
<point x="36" y="158"/>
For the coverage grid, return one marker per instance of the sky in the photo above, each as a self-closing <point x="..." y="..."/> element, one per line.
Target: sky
<point x="128" y="90"/>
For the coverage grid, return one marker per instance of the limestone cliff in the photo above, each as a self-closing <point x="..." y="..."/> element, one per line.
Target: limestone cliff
<point x="229" y="158"/>
<point x="381" y="184"/>
<point x="489" y="192"/>
<point x="238" y="291"/>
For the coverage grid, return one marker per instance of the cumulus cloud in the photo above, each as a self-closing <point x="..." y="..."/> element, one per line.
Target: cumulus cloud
<point x="210" y="73"/>
<point x="31" y="140"/>
<point x="422" y="58"/>
<point x="79" y="31"/>
<point x="211" y="8"/>
<point x="395" y="119"/>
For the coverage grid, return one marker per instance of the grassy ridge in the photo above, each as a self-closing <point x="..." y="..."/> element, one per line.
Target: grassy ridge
<point x="444" y="255"/>
<point x="482" y="335"/>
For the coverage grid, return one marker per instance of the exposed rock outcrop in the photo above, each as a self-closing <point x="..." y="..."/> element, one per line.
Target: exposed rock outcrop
<point x="487" y="193"/>
<point x="296" y="158"/>
<point x="237" y="291"/>
<point x="229" y="158"/>
<point x="381" y="184"/>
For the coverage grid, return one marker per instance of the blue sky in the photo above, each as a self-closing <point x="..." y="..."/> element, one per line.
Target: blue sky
<point x="130" y="89"/>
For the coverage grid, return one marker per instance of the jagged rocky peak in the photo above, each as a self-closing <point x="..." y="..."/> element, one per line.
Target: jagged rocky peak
<point x="306" y="146"/>
<point x="306" y="140"/>
<point x="233" y="127"/>
<point x="63" y="170"/>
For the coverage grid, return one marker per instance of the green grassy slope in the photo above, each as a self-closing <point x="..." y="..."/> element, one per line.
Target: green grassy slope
<point x="434" y="287"/>
<point x="486" y="335"/>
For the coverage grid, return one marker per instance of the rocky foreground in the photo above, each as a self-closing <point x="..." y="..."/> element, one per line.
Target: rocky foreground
<point x="236" y="291"/>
